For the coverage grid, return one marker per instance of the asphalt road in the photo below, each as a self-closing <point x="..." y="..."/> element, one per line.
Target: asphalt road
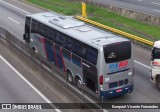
<point x="144" y="91"/>
<point x="15" y="90"/>
<point x="12" y="16"/>
<point x="146" y="6"/>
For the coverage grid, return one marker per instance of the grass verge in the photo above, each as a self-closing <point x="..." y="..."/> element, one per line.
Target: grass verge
<point x="104" y="16"/>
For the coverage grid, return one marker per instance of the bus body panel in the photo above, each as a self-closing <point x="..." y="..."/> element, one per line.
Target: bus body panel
<point x="37" y="43"/>
<point x="54" y="54"/>
<point x="65" y="60"/>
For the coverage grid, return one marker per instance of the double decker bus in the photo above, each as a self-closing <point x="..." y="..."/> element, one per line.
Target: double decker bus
<point x="88" y="56"/>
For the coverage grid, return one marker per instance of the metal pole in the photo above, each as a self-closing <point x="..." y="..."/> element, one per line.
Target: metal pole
<point x="84" y="14"/>
<point x="82" y="96"/>
<point x="102" y="103"/>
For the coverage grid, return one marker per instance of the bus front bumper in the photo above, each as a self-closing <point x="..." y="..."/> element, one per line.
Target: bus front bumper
<point x="116" y="92"/>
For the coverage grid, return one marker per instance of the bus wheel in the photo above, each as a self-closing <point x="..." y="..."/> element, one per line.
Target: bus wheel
<point x="78" y="83"/>
<point x="158" y="83"/>
<point x="69" y="77"/>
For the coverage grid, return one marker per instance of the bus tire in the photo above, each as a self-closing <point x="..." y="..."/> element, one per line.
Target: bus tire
<point x="78" y="83"/>
<point x="158" y="83"/>
<point x="34" y="48"/>
<point x="69" y="77"/>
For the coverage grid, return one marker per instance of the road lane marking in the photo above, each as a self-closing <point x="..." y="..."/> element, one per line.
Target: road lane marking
<point x="155" y="3"/>
<point x="142" y="64"/>
<point x="3" y="35"/>
<point x="32" y="86"/>
<point x="156" y="10"/>
<point x="140" y="0"/>
<point x="15" y="7"/>
<point x="13" y="20"/>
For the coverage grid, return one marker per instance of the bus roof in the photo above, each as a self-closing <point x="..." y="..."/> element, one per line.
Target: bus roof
<point x="77" y="29"/>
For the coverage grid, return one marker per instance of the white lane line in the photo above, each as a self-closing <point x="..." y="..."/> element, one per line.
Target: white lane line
<point x="155" y="3"/>
<point x="142" y="64"/>
<point x="156" y="10"/>
<point x="32" y="86"/>
<point x="13" y="20"/>
<point x="140" y="0"/>
<point x="15" y="7"/>
<point x="3" y="35"/>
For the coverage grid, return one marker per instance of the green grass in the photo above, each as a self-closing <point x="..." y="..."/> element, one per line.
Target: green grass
<point x="101" y="15"/>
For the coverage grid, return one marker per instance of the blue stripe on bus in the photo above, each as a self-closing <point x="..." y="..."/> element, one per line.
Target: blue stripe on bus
<point x="50" y="52"/>
<point x="113" y="93"/>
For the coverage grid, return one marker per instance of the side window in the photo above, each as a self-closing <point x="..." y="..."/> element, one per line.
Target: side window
<point x="42" y="29"/>
<point x="92" y="55"/>
<point x="51" y="34"/>
<point x="34" y="26"/>
<point x="66" y="54"/>
<point x="68" y="43"/>
<point x="83" y="50"/>
<point x="27" y="29"/>
<point x="156" y="53"/>
<point x="79" y="48"/>
<point x="61" y="39"/>
<point x="74" y="42"/>
<point x="76" y="60"/>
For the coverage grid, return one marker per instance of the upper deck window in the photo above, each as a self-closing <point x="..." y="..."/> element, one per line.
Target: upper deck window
<point x="156" y="53"/>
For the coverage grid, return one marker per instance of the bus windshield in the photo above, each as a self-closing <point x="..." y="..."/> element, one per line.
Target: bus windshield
<point x="156" y="53"/>
<point x="117" y="52"/>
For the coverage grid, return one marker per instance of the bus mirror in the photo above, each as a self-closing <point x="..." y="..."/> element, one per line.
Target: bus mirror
<point x="24" y="37"/>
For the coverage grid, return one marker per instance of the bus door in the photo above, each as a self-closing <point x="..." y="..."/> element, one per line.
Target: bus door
<point x="90" y="76"/>
<point x="26" y="36"/>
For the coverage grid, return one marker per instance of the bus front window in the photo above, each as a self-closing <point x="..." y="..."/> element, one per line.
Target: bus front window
<point x="156" y="53"/>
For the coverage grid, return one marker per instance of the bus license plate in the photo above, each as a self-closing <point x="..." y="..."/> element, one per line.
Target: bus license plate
<point x="119" y="90"/>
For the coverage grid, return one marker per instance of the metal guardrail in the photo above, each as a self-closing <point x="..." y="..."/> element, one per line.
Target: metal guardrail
<point x="116" y="31"/>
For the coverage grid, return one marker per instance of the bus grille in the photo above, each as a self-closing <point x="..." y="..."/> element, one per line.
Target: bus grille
<point x="118" y="83"/>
